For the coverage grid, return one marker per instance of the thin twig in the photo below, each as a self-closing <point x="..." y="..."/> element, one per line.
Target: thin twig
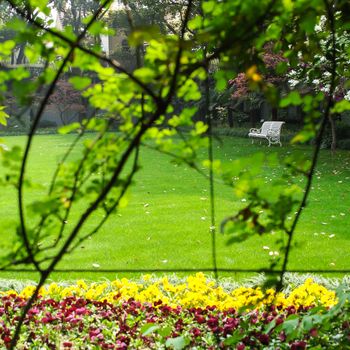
<point x="65" y="157"/>
<point x="330" y="101"/>
<point x="113" y="63"/>
<point x="175" y="156"/>
<point x="212" y="229"/>
<point x="110" y="210"/>
<point x="44" y="274"/>
<point x="161" y="109"/>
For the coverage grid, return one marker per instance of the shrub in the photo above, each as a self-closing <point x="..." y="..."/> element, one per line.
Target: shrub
<point x="47" y="124"/>
<point x="344" y="144"/>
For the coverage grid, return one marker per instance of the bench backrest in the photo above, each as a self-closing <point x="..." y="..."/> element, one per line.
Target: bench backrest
<point x="275" y="126"/>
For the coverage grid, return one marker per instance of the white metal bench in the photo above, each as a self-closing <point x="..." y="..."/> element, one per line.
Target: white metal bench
<point x="271" y="131"/>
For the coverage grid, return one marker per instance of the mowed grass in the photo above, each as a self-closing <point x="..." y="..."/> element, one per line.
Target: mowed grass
<point x="166" y="223"/>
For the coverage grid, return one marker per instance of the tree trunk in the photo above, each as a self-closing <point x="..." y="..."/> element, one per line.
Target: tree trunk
<point x="254" y="116"/>
<point x="230" y="117"/>
<point x="333" y="133"/>
<point x="20" y="56"/>
<point x="274" y="114"/>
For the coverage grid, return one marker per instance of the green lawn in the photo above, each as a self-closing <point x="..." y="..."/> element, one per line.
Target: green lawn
<point x="166" y="224"/>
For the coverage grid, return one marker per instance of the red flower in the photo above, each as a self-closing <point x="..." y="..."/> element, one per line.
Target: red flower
<point x="254" y="319"/>
<point x="82" y="311"/>
<point x="212" y="322"/>
<point x="313" y="332"/>
<point x="200" y="319"/>
<point x="282" y="336"/>
<point x="196" y="332"/>
<point x="179" y="325"/>
<point x="94" y="332"/>
<point x="298" y="345"/>
<point x="230" y="325"/>
<point x="346" y="324"/>
<point x="279" y="320"/>
<point x="33" y="311"/>
<point x="264" y="339"/>
<point x="157" y="303"/>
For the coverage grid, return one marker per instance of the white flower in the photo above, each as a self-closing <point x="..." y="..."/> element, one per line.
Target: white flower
<point x="293" y="82"/>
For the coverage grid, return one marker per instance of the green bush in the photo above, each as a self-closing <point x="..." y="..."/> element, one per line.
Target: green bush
<point x="344" y="144"/>
<point x="343" y="130"/>
<point x="286" y="134"/>
<point x="47" y="124"/>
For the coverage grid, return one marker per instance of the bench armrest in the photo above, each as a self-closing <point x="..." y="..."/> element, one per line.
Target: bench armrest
<point x="255" y="131"/>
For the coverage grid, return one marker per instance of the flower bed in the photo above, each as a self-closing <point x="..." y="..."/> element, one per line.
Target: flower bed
<point x="159" y="315"/>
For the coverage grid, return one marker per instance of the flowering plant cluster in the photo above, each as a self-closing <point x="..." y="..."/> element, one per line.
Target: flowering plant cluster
<point x="196" y="291"/>
<point x="242" y="83"/>
<point x="70" y="318"/>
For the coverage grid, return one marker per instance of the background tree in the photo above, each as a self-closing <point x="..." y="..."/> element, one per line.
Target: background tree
<point x="313" y="74"/>
<point x="244" y="86"/>
<point x="68" y="102"/>
<point x="73" y="12"/>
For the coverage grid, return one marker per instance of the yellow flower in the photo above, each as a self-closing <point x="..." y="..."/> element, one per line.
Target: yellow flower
<point x="197" y="291"/>
<point x="146" y="277"/>
<point x="82" y="284"/>
<point x="27" y="292"/>
<point x="53" y="289"/>
<point x="253" y="75"/>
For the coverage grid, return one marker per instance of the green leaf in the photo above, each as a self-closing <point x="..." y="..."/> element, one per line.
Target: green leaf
<point x="189" y="91"/>
<point x="290" y="325"/>
<point x="222" y="78"/>
<point x="3" y="116"/>
<point x="200" y="128"/>
<point x="69" y="128"/>
<point x="41" y="5"/>
<point x="292" y="98"/>
<point x="165" y="331"/>
<point x="195" y="23"/>
<point x="177" y="343"/>
<point x="80" y="83"/>
<point x="308" y="22"/>
<point x="233" y="339"/>
<point x="96" y="28"/>
<point x="309" y="322"/>
<point x="44" y="206"/>
<point x="149" y="328"/>
<point x="6" y="47"/>
<point x="208" y="6"/>
<point x="341" y="107"/>
<point x="303" y="136"/>
<point x="270" y="326"/>
<point x="281" y="68"/>
<point x="145" y="74"/>
<point x="19" y="73"/>
<point x="24" y="90"/>
<point x="273" y="31"/>
<point x="143" y="34"/>
<point x="288" y="4"/>
<point x="3" y="147"/>
<point x="272" y="95"/>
